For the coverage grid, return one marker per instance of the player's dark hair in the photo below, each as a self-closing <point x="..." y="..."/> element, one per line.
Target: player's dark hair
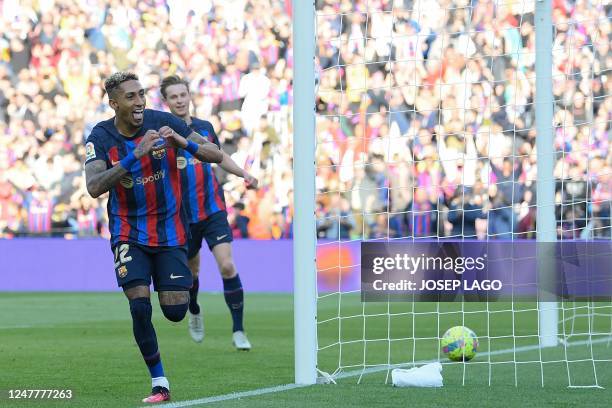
<point x="112" y="82"/>
<point x="172" y="80"/>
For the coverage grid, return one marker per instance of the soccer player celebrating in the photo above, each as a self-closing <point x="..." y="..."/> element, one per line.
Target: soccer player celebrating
<point x="204" y="198"/>
<point x="133" y="156"/>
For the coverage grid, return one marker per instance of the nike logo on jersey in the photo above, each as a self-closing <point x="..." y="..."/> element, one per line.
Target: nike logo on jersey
<point x="221" y="237"/>
<point x="173" y="276"/>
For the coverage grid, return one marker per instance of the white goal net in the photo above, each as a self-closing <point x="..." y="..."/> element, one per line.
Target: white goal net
<point x="425" y="129"/>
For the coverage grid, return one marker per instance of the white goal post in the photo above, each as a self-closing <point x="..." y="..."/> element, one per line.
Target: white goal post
<point x="304" y="169"/>
<point x="546" y="227"/>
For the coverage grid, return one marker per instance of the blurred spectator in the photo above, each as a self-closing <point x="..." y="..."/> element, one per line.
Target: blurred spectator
<point x="421" y="215"/>
<point x="463" y="211"/>
<point x="504" y="192"/>
<point x="337" y="221"/>
<point x="88" y="217"/>
<point x="40" y="209"/>
<point x="527" y="216"/>
<point x="238" y="221"/>
<point x="254" y="88"/>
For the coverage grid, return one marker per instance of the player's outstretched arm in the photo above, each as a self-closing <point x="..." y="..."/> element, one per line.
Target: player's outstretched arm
<point x="99" y="179"/>
<point x="202" y="141"/>
<point x="228" y="164"/>
<point x="209" y="152"/>
<point x="195" y="144"/>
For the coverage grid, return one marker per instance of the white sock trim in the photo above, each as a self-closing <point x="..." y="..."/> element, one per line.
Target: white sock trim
<point x="160" y="382"/>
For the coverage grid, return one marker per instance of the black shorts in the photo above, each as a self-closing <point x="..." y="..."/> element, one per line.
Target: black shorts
<point x="214" y="229"/>
<point x="137" y="264"/>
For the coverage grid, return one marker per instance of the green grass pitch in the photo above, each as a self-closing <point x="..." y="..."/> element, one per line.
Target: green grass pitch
<point x="83" y="342"/>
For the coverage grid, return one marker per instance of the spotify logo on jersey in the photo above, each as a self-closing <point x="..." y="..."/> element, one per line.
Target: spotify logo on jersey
<point x="183" y="162"/>
<point x="128" y="182"/>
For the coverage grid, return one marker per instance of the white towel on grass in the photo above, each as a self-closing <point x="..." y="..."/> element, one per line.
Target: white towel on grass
<point x="429" y="375"/>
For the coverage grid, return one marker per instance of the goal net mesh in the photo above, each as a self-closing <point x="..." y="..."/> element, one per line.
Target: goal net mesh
<point x="425" y="128"/>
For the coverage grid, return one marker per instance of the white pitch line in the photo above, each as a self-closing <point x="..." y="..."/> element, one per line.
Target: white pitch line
<point x="232" y="396"/>
<point x="354" y="373"/>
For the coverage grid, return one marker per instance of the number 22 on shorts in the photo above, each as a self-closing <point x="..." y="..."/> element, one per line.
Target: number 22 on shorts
<point x="121" y="256"/>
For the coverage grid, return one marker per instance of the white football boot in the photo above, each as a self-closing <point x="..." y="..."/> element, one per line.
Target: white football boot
<point x="196" y="327"/>
<point x="240" y="340"/>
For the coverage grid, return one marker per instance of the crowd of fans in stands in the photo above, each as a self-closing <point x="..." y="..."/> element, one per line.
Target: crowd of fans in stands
<point x="425" y="125"/>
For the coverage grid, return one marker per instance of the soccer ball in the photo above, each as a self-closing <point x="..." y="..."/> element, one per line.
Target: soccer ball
<point x="459" y="343"/>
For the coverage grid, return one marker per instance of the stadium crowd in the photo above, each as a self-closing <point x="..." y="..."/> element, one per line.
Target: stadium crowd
<point x="425" y="126"/>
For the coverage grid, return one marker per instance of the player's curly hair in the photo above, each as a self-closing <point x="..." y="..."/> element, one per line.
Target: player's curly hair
<point x="172" y="80"/>
<point x="111" y="84"/>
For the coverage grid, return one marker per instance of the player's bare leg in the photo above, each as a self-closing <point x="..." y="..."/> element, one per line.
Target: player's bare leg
<point x="233" y="293"/>
<point x="144" y="333"/>
<point x="196" y="322"/>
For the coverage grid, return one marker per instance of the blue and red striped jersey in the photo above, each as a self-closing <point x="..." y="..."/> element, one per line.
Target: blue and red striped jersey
<point x="39" y="215"/>
<point x="145" y="207"/>
<point x="202" y="193"/>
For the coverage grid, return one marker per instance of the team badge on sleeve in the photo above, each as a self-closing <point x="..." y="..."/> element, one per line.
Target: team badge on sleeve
<point x="90" y="151"/>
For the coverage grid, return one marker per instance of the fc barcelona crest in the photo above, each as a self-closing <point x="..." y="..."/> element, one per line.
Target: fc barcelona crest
<point x="159" y="150"/>
<point x="159" y="153"/>
<point x="122" y="271"/>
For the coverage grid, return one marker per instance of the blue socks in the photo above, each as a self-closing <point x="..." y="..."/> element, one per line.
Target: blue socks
<point x="145" y="336"/>
<point x="194" y="308"/>
<point x="157" y="370"/>
<point x="234" y="297"/>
